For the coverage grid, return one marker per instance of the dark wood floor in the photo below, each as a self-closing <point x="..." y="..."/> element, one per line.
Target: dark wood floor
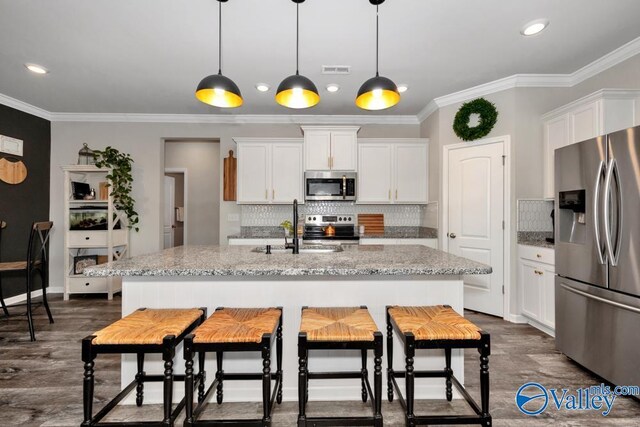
<point x="41" y="382"/>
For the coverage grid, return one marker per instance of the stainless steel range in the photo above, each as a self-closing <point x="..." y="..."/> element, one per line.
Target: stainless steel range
<point x="330" y="229"/>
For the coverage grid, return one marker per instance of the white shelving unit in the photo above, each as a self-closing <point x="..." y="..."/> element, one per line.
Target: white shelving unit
<point x="112" y="243"/>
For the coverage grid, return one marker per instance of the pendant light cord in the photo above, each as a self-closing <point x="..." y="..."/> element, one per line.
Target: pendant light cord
<point x="297" y="38"/>
<point x="377" y="41"/>
<point x="220" y="37"/>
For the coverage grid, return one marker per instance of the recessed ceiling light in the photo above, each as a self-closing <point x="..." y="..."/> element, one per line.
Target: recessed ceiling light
<point x="262" y="87"/>
<point x="333" y="87"/>
<point x="36" y="68"/>
<point x="402" y="88"/>
<point x="534" y="27"/>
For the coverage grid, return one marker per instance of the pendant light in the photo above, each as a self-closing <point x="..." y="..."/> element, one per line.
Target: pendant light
<point x="297" y="91"/>
<point x="216" y="89"/>
<point x="377" y="93"/>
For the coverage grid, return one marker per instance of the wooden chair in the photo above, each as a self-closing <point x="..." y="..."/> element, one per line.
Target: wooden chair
<point x="37" y="261"/>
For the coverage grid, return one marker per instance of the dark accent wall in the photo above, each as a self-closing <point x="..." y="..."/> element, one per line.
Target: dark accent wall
<point x="24" y="203"/>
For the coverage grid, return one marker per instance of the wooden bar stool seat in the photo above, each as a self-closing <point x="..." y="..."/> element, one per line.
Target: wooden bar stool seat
<point x="144" y="331"/>
<point x="234" y="329"/>
<point x="436" y="327"/>
<point x="340" y="328"/>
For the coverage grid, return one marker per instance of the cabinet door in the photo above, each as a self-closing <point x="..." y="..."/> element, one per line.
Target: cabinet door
<point x="374" y="173"/>
<point x="317" y="150"/>
<point x="531" y="289"/>
<point x="410" y="173"/>
<point x="556" y="135"/>
<point x="343" y="151"/>
<point x="287" y="174"/>
<point x="253" y="173"/>
<point x="585" y="122"/>
<point x="548" y="315"/>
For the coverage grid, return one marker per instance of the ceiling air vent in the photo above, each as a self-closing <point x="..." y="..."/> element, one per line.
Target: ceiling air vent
<point x="336" y="69"/>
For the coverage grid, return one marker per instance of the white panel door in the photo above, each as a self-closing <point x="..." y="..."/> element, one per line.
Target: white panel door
<point x="287" y="173"/>
<point x="374" y="173"/>
<point x="585" y="122"/>
<point x="476" y="198"/>
<point x="556" y="135"/>
<point x="410" y="173"/>
<point x="169" y="211"/>
<point x="253" y="173"/>
<point x="344" y="147"/>
<point x="317" y="149"/>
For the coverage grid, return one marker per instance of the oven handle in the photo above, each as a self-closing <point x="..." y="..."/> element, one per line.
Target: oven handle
<point x="600" y="299"/>
<point x="344" y="186"/>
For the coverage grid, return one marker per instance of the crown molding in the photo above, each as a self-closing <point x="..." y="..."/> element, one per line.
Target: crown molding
<point x="24" y="107"/>
<point x="630" y="94"/>
<point x="431" y="108"/>
<point x="607" y="61"/>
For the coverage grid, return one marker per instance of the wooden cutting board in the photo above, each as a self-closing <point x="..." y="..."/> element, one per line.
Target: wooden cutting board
<point x="12" y="172"/>
<point x="373" y="223"/>
<point x="230" y="184"/>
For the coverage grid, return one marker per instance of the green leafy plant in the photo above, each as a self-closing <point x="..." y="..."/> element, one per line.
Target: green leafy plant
<point x="286" y="224"/>
<point x="120" y="181"/>
<point x="488" y="118"/>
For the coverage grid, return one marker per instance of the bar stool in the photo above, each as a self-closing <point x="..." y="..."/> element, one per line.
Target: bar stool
<point x="340" y="328"/>
<point x="234" y="329"/>
<point x="436" y="327"/>
<point x="145" y="331"/>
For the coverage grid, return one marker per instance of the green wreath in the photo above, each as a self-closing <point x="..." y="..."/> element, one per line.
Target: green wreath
<point x="488" y="117"/>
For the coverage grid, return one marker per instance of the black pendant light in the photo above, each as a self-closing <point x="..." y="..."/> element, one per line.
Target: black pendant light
<point x="297" y="91"/>
<point x="216" y="89"/>
<point x="377" y="93"/>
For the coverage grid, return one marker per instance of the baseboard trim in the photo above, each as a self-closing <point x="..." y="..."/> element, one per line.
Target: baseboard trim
<point x="17" y="299"/>
<point x="517" y="318"/>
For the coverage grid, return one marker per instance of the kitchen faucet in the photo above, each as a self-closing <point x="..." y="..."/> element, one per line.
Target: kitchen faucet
<point x="295" y="245"/>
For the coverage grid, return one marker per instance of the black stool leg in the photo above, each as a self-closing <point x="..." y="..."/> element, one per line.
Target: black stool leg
<point x="377" y="379"/>
<point x="410" y="353"/>
<point x="389" y="358"/>
<point x="219" y="376"/>
<point x="45" y="285"/>
<point x="266" y="383"/>
<point x="302" y="379"/>
<point x="140" y="380"/>
<point x="29" y="316"/>
<point x="203" y="376"/>
<point x="88" y="382"/>
<point x="484" y="351"/>
<point x="364" y="373"/>
<point x="449" y="372"/>
<point x="188" y="380"/>
<point x="279" y="360"/>
<point x="168" y="353"/>
<point x="4" y="306"/>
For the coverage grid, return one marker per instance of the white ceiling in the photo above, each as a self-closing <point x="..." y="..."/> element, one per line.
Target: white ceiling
<point x="147" y="56"/>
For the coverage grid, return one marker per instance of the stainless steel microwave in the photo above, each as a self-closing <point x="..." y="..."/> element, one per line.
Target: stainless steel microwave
<point x="331" y="185"/>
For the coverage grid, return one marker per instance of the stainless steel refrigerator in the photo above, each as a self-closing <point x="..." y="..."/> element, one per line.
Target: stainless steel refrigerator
<point x="597" y="246"/>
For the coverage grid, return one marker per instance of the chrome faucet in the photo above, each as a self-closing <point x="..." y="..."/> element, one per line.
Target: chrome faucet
<point x="295" y="244"/>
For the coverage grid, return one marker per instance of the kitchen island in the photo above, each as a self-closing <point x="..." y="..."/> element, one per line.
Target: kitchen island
<point x="236" y="276"/>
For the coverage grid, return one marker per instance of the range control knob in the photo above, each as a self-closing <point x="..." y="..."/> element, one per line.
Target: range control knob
<point x="349" y="218"/>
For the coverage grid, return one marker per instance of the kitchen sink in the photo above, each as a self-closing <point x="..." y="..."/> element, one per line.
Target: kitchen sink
<point x="304" y="249"/>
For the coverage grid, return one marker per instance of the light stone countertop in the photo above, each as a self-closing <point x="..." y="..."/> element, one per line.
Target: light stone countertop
<point x="535" y="238"/>
<point x="355" y="260"/>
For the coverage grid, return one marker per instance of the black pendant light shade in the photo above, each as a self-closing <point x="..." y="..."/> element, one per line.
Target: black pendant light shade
<point x="297" y="91"/>
<point x="377" y="93"/>
<point x="216" y="89"/>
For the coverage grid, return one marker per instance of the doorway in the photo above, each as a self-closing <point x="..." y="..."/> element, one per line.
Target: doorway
<point x="175" y="208"/>
<point x="476" y="217"/>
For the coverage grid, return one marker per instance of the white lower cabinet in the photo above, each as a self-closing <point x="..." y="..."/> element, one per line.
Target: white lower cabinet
<point x="536" y="280"/>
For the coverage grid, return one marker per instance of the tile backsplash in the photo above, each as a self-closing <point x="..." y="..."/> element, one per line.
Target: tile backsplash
<point x="534" y="215"/>
<point x="394" y="215"/>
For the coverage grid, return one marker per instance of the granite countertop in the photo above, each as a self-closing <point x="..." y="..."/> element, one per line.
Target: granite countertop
<point x="355" y="260"/>
<point x="535" y="238"/>
<point x="389" y="233"/>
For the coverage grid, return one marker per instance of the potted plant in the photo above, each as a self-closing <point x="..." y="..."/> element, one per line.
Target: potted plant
<point x="120" y="180"/>
<point x="288" y="227"/>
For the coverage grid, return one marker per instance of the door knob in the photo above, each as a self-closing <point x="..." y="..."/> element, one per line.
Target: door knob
<point x="452" y="235"/>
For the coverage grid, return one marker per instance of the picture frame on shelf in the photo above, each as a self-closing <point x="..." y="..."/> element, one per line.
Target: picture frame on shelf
<point x="83" y="261"/>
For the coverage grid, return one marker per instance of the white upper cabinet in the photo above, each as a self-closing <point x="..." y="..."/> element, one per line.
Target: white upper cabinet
<point x="330" y="148"/>
<point x="392" y="171"/>
<point x="270" y="170"/>
<point x="602" y="112"/>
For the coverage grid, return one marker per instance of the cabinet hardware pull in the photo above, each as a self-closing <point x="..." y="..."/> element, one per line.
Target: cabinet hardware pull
<point x="266" y="194"/>
<point x="539" y="256"/>
<point x="86" y="284"/>
<point x="389" y="194"/>
<point x="539" y="272"/>
<point x="329" y="162"/>
<point x="87" y="238"/>
<point x="396" y="194"/>
<point x="273" y="194"/>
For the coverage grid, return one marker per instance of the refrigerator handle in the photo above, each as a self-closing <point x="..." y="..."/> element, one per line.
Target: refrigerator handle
<point x="613" y="255"/>
<point x="602" y="257"/>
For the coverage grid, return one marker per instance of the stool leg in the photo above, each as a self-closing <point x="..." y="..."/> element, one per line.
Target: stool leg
<point x="377" y="380"/>
<point x="188" y="380"/>
<point x="203" y="376"/>
<point x="279" y="360"/>
<point x="167" y="356"/>
<point x="4" y="306"/>
<point x="410" y="353"/>
<point x="140" y="380"/>
<point x="302" y="379"/>
<point x="45" y="285"/>
<point x="484" y="351"/>
<point x="88" y="381"/>
<point x="364" y="373"/>
<point x="266" y="384"/>
<point x="389" y="358"/>
<point x="449" y="372"/>
<point x="29" y="316"/>
<point x="219" y="376"/>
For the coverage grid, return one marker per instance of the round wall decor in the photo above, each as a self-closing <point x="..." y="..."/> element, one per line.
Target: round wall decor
<point x="488" y="117"/>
